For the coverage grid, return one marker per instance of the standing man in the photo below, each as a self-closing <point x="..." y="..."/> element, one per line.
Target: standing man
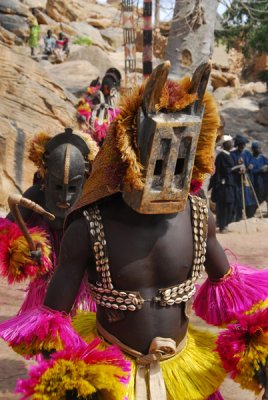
<point x="223" y="185"/>
<point x="260" y="172"/>
<point x="243" y="160"/>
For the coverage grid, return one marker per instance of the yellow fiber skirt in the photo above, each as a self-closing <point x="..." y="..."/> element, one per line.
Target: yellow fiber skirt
<point x="193" y="374"/>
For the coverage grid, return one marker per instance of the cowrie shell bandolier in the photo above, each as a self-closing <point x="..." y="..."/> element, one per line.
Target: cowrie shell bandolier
<point x="104" y="293"/>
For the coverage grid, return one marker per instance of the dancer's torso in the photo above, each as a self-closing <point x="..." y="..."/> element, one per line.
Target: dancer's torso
<point x="146" y="253"/>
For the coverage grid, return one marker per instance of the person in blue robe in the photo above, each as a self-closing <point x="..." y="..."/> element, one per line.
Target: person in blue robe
<point x="244" y="179"/>
<point x="260" y="172"/>
<point x="223" y="186"/>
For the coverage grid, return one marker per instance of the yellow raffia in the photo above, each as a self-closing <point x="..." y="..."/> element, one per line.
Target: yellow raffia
<point x="251" y="360"/>
<point x="87" y="379"/>
<point x="258" y="307"/>
<point x="204" y="158"/>
<point x="19" y="254"/>
<point x="84" y="107"/>
<point x="195" y="373"/>
<point x="38" y="144"/>
<point x="36" y="346"/>
<point x="255" y="355"/>
<point x="37" y="150"/>
<point x="124" y="130"/>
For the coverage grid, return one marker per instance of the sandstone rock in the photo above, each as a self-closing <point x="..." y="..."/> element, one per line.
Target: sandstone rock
<point x="262" y="116"/>
<point x="35" y="3"/>
<point x="9" y="37"/>
<point x="94" y="55"/>
<point x="240" y="116"/>
<point x="44" y="19"/>
<point x="221" y="79"/>
<point x="252" y="88"/>
<point x="15" y="24"/>
<point x="114" y="36"/>
<point x="100" y="23"/>
<point x="115" y="3"/>
<point x="13" y="164"/>
<point x="225" y="93"/>
<point x="86" y="30"/>
<point x="72" y="10"/>
<point x="30" y="102"/>
<point x="13" y="7"/>
<point x="75" y="76"/>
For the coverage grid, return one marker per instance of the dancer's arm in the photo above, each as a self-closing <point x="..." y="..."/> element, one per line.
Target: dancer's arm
<point x="74" y="259"/>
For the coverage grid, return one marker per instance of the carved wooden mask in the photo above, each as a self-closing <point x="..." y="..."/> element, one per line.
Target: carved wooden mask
<point x="167" y="145"/>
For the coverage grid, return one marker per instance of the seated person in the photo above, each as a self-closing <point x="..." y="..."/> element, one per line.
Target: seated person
<point x="50" y="43"/>
<point x="62" y="43"/>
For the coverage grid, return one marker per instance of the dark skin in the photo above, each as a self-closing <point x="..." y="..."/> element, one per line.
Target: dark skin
<point x="35" y="194"/>
<point x="146" y="252"/>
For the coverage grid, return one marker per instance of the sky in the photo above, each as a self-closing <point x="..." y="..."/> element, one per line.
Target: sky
<point x="167" y="7"/>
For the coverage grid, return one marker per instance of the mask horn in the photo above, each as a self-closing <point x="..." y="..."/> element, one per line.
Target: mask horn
<point x="199" y="82"/>
<point x="154" y="86"/>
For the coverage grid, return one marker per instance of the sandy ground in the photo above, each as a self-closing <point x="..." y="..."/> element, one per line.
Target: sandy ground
<point x="249" y="248"/>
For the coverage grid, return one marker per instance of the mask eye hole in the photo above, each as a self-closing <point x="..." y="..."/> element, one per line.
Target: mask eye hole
<point x="72" y="189"/>
<point x="158" y="167"/>
<point x="59" y="187"/>
<point x="179" y="166"/>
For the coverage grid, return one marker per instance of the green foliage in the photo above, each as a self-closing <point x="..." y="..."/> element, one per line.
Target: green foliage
<point x="245" y="22"/>
<point x="82" y="40"/>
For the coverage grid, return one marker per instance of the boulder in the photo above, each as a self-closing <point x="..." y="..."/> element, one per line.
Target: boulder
<point x="35" y="3"/>
<point x="75" y="76"/>
<point x="225" y="93"/>
<point x="100" y="23"/>
<point x="94" y="55"/>
<point x="13" y="7"/>
<point x="9" y="37"/>
<point x="30" y="102"/>
<point x="240" y="116"/>
<point x="262" y="116"/>
<point x="86" y="30"/>
<point x="114" y="36"/>
<point x="251" y="88"/>
<point x="221" y="79"/>
<point x="16" y="24"/>
<point x="72" y="10"/>
<point x="44" y="19"/>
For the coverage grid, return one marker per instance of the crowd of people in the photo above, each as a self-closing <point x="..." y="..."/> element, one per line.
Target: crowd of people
<point x="54" y="46"/>
<point x="240" y="182"/>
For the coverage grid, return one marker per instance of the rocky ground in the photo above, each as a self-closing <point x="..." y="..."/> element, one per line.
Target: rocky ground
<point x="248" y="247"/>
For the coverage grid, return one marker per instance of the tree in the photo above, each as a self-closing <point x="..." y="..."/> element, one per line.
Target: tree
<point x="191" y="37"/>
<point x="245" y="22"/>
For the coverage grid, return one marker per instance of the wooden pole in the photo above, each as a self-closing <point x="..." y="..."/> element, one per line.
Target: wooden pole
<point x="147" y="58"/>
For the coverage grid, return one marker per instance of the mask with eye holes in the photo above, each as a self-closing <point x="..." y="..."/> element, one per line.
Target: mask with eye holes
<point x="67" y="168"/>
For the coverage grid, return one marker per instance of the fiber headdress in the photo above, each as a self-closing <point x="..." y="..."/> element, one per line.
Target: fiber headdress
<point x="40" y="141"/>
<point x="117" y="165"/>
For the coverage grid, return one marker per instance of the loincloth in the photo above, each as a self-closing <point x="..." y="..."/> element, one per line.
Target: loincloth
<point x="192" y="372"/>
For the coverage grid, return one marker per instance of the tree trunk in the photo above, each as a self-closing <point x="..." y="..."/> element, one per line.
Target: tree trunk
<point x="191" y="37"/>
<point x="157" y="14"/>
